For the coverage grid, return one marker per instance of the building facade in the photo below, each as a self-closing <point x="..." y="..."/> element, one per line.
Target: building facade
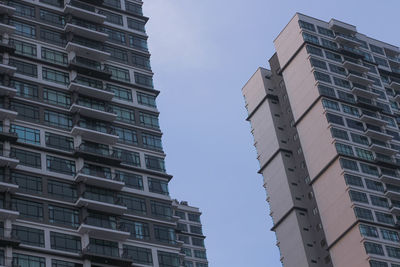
<point x="190" y="233"/>
<point x="325" y="125"/>
<point x="83" y="181"/>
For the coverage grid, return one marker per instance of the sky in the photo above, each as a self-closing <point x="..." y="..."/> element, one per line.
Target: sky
<point x="203" y="52"/>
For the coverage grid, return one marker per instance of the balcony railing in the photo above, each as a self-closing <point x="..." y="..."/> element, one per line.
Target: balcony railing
<point x="81" y="5"/>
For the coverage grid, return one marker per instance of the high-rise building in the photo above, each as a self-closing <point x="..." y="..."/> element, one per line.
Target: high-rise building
<point x="190" y="233"/>
<point x="325" y="124"/>
<point x="83" y="181"/>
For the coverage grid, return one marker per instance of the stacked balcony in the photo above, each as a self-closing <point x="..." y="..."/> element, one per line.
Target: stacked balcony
<point x="346" y="39"/>
<point x="83" y="11"/>
<point x="95" y="131"/>
<point x="6" y="212"/>
<point x="382" y="148"/>
<point x="89" y="67"/>
<point x="7" y="159"/>
<point x="87" y="48"/>
<point x="93" y="111"/>
<point x="363" y="91"/>
<point x="114" y="259"/>
<point x="390" y="177"/>
<point x="376" y="132"/>
<point x="94" y="153"/>
<point x="6" y="185"/>
<point x="395" y="84"/>
<point x="372" y="117"/>
<point x="90" y="87"/>
<point x="392" y="192"/>
<point x="6" y="10"/>
<point x="354" y="65"/>
<point x="342" y="27"/>
<point x="98" y="177"/>
<point x="5" y="27"/>
<point x="112" y="206"/>
<point x="358" y="77"/>
<point x="385" y="160"/>
<point x="87" y="29"/>
<point x="395" y="207"/>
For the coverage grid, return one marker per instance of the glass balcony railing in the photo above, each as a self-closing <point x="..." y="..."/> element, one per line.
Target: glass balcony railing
<point x="81" y="5"/>
<point x="87" y="25"/>
<point x="96" y="126"/>
<point x="97" y="151"/>
<point x="88" y="43"/>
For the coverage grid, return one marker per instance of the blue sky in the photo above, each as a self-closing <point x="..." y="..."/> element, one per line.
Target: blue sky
<point x="203" y="52"/>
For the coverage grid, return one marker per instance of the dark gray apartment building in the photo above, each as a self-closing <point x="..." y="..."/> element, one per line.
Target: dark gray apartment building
<point x="325" y="120"/>
<point x="82" y="178"/>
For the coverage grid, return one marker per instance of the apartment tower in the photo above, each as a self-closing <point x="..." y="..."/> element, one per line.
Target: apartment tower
<point x="325" y="125"/>
<point x="82" y="177"/>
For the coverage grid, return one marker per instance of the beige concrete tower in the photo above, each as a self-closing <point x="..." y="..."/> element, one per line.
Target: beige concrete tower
<point x="324" y="120"/>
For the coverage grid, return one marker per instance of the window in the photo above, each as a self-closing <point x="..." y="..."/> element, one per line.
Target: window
<point x="120" y="92"/>
<point x="187" y="252"/>
<point x="194" y="217"/>
<point x="56" y="97"/>
<point x="369" y="169"/>
<point x="148" y="120"/>
<point x="28" y="208"/>
<point x="318" y="63"/>
<point x="325" y="31"/>
<point x="138" y="254"/>
<point x="100" y="194"/>
<point x="374" y="185"/>
<point x="184" y="239"/>
<point x="128" y="157"/>
<point x="337" y="69"/>
<point x="330" y="104"/>
<point x="326" y="91"/>
<point x="126" y="135"/>
<point x="364" y="154"/>
<point x="61" y="190"/>
<point x="24" y="89"/>
<point x="24" y="68"/>
<point x="381" y="61"/>
<point x="159" y="209"/>
<point x="141" y="61"/>
<point x="23" y="10"/>
<point x="133" y="8"/>
<point x="346" y="96"/>
<point x="350" y="110"/>
<point x="376" y="49"/>
<point x="134" y="204"/>
<point x="58" y="120"/>
<point x="348" y="164"/>
<point x="151" y="141"/>
<point x="115" y="36"/>
<point x="118" y="73"/>
<point x="155" y="163"/>
<point x="27" y="158"/>
<point x="52" y="37"/>
<point x="322" y="77"/>
<point x="201" y="254"/>
<point x="65" y="242"/>
<point x="328" y="44"/>
<point x="104" y="247"/>
<point x="373" y="248"/>
<point x="355" y="124"/>
<point x="29" y="236"/>
<point x="24" y="48"/>
<point x="60" y="165"/>
<point x="112" y="17"/>
<point x="334" y="119"/>
<point x="63" y="216"/>
<point x="358" y="196"/>
<point x="59" y="141"/>
<point x="180" y="214"/>
<point x="27" y="183"/>
<point x="54" y="56"/>
<point x="138" y="42"/>
<point x="379" y="201"/>
<point x="182" y="227"/>
<point x="117" y="53"/>
<point x="52" y="18"/>
<point x="341" y="134"/>
<point x="138" y="230"/>
<point x="333" y="56"/>
<point x="57" y="3"/>
<point x="393" y="252"/>
<point x="136" y="25"/>
<point x="60" y="263"/>
<point x="341" y="82"/>
<point x="198" y="242"/>
<point x="196" y="229"/>
<point x="26" y="135"/>
<point x="143" y="79"/>
<point x="353" y="180"/>
<point x="164" y="234"/>
<point x="201" y="264"/>
<point x="344" y="149"/>
<point x="146" y="99"/>
<point x="362" y="213"/>
<point x="55" y="76"/>
<point x="166" y="259"/>
<point x="28" y="260"/>
<point x="113" y="3"/>
<point x="367" y="230"/>
<point x="24" y="29"/>
<point x="306" y="25"/>
<point x="314" y="50"/>
<point x="390" y="235"/>
<point x="130" y="179"/>
<point x="384" y="217"/>
<point x="124" y="114"/>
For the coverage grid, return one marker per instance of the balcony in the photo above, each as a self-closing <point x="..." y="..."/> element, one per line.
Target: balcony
<point x="357" y="77"/>
<point x="100" y="232"/>
<point x="89" y="67"/>
<point x="385" y="161"/>
<point x="5" y="27"/>
<point x="364" y="91"/>
<point x="382" y="148"/>
<point x="5" y="9"/>
<point x="92" y="112"/>
<point x="7" y="135"/>
<point x="6" y="47"/>
<point x="6" y="68"/>
<point x="97" y="178"/>
<point x="390" y="178"/>
<point x="342" y="27"/>
<point x="6" y="212"/>
<point x="377" y="133"/>
<point x="87" y="30"/>
<point x="7" y="114"/>
<point x="395" y="85"/>
<point x="370" y="117"/>
<point x="10" y="240"/>
<point x="97" y="155"/>
<point x="113" y="208"/>
<point x="87" y="48"/>
<point x="7" y="159"/>
<point x="83" y="11"/>
<point x="392" y="192"/>
<point x="347" y="40"/>
<point x="98" y="134"/>
<point x="8" y="186"/>
<point x="395" y="208"/>
<point x="91" y="91"/>
<point x="103" y="258"/>
<point x="355" y="66"/>
<point x="7" y="91"/>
